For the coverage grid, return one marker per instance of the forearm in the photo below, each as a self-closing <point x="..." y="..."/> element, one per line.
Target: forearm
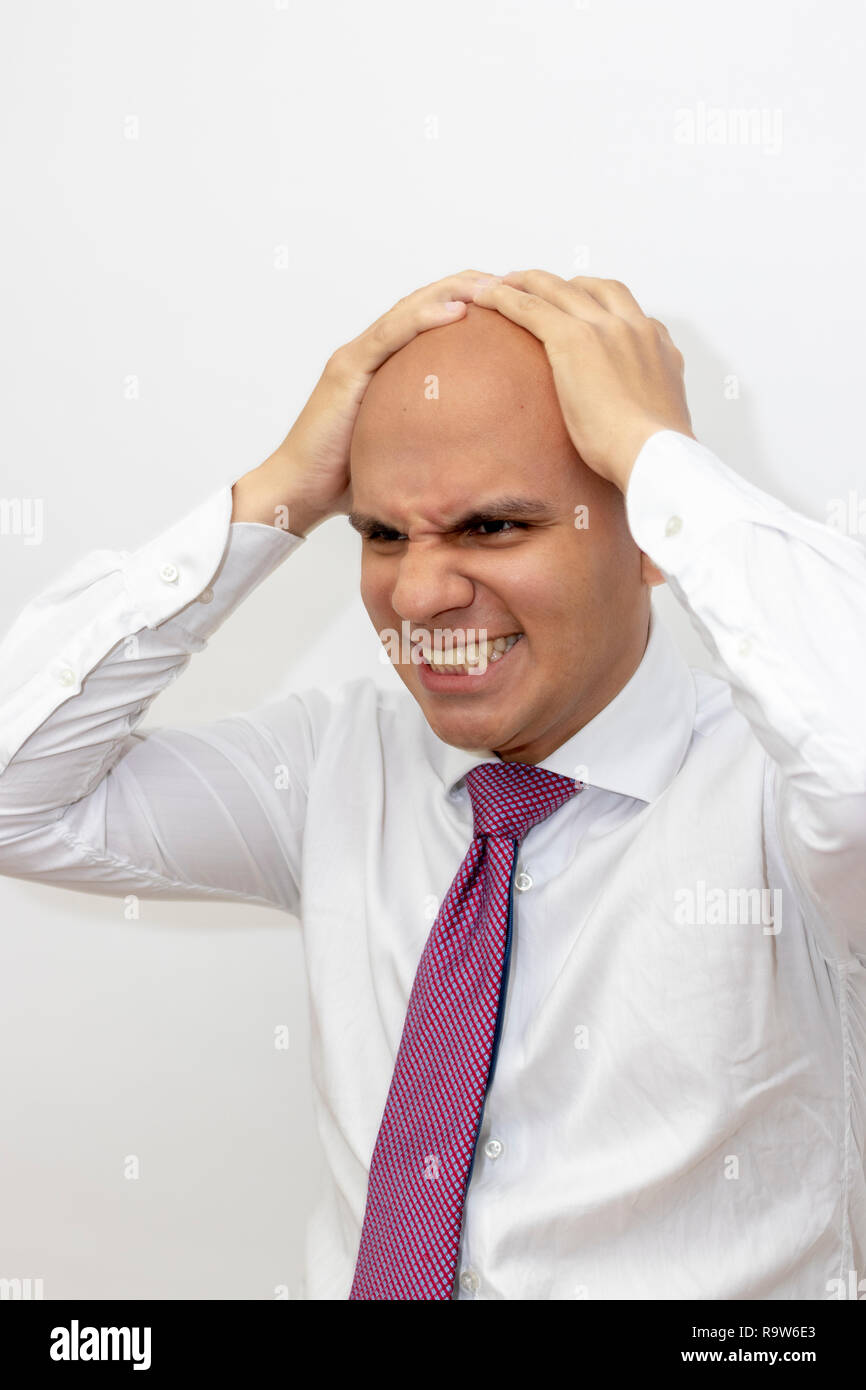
<point x="274" y="494"/>
<point x="88" y="803"/>
<point x="780" y="602"/>
<point x="778" y="599"/>
<point x="84" y="659"/>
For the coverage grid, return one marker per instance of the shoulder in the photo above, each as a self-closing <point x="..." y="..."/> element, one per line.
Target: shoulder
<point x="717" y="716"/>
<point x="723" y="735"/>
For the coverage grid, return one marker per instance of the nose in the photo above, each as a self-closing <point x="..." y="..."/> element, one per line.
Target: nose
<point x="429" y="583"/>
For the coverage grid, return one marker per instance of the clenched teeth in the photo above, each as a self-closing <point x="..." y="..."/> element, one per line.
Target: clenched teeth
<point x="461" y="660"/>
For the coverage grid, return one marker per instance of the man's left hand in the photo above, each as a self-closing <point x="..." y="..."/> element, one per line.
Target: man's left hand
<point x="618" y="374"/>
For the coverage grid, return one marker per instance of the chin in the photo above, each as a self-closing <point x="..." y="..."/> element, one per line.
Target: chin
<point x="463" y="733"/>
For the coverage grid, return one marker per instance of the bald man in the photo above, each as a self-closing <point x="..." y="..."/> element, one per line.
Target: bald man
<point x="583" y="928"/>
<point x="461" y="418"/>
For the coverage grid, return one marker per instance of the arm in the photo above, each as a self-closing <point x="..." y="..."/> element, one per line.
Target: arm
<point x="780" y="602"/>
<point x="87" y="803"/>
<point x="217" y="811"/>
<point x="779" y="599"/>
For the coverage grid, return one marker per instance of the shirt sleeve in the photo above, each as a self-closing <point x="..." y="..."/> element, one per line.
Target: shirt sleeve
<point x="779" y="601"/>
<point x="215" y="811"/>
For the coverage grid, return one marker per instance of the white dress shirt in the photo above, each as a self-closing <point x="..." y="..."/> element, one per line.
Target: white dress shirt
<point x="679" y="1105"/>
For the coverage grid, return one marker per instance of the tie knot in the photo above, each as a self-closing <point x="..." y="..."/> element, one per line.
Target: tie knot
<point x="509" y="798"/>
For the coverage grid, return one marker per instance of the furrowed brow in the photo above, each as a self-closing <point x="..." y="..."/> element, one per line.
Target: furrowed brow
<point x="366" y="525"/>
<point x="497" y="509"/>
<point x="507" y="509"/>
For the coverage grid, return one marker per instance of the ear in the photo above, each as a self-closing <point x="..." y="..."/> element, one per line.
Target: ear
<point x="649" y="573"/>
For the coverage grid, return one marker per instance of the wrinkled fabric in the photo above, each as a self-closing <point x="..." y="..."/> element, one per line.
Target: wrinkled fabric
<point x="678" y="1104"/>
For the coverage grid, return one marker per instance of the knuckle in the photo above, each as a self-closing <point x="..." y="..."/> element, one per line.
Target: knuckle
<point x="559" y="348"/>
<point x="338" y="364"/>
<point x="578" y="335"/>
<point x="581" y="330"/>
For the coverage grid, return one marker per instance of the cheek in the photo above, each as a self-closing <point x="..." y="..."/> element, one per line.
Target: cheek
<point x="542" y="588"/>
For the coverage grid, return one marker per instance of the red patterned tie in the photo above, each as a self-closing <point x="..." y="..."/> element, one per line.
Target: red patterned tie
<point x="422" y="1161"/>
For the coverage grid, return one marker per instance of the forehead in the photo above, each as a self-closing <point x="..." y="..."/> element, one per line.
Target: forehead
<point x="442" y="490"/>
<point x="462" y="411"/>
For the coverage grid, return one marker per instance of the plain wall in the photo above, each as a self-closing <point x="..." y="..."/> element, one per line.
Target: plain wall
<point x="200" y="202"/>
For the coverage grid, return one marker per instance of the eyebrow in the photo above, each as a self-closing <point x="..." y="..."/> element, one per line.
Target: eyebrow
<point x="498" y="509"/>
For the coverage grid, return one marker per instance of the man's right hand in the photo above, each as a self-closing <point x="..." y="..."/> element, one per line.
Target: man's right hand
<point x="306" y="479"/>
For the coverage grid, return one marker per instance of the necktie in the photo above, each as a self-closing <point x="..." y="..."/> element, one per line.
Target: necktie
<point x="423" y="1155"/>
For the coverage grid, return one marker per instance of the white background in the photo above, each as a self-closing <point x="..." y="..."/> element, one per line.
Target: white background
<point x="209" y="196"/>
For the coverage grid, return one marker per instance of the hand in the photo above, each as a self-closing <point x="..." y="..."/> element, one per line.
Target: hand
<point x="617" y="373"/>
<point x="308" y="474"/>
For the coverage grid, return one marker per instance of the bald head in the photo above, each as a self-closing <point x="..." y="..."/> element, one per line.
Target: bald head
<point x="481" y="382"/>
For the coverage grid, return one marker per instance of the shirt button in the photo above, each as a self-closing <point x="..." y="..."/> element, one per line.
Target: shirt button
<point x="493" y="1148"/>
<point x="66" y="677"/>
<point x="168" y="574"/>
<point x="523" y="881"/>
<point x="469" y="1281"/>
<point x="674" y="525"/>
<point x="205" y="596"/>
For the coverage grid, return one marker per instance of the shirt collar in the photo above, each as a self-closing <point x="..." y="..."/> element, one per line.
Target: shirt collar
<point x="634" y="746"/>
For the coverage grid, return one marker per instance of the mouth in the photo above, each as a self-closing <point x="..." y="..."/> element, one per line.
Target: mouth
<point x="481" y="664"/>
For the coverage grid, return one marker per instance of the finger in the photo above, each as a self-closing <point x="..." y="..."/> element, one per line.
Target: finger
<point x="662" y="329"/>
<point x="530" y="311"/>
<point x="454" y="287"/>
<point x="443" y="296"/>
<point x="616" y="297"/>
<point x="432" y="306"/>
<point x="440" y="298"/>
<point x="566" y="296"/>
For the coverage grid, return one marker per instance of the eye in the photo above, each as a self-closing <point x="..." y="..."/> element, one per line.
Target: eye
<point x="515" y="526"/>
<point x="383" y="536"/>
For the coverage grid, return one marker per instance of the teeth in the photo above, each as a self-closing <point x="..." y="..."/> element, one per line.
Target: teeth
<point x="461" y="660"/>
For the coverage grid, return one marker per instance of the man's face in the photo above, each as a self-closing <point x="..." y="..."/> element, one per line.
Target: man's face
<point x="471" y="504"/>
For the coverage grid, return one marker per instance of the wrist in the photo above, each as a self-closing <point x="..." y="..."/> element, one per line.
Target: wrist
<point x="274" y="495"/>
<point x="623" y="472"/>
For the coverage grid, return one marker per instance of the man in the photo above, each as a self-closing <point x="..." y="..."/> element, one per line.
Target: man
<point x="626" y="1059"/>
